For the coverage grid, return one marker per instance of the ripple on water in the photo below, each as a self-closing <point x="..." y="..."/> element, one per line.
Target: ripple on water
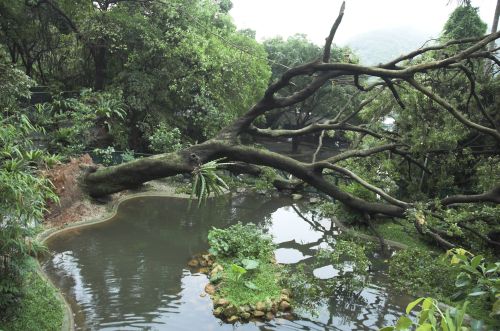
<point x="129" y="273"/>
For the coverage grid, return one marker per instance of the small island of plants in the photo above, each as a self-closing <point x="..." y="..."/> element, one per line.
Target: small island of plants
<point x="245" y="280"/>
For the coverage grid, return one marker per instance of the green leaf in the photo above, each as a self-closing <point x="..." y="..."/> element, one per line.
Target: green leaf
<point x="424" y="327"/>
<point x="387" y="328"/>
<point x="495" y="310"/>
<point x="251" y="285"/>
<point x="250" y="264"/>
<point x="427" y="304"/>
<point x="412" y="305"/>
<point x="239" y="270"/>
<point x="403" y="323"/>
<point x="462" y="280"/>
<point x="474" y="263"/>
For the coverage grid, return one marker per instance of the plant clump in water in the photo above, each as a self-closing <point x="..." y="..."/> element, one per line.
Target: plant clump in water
<point x="244" y="276"/>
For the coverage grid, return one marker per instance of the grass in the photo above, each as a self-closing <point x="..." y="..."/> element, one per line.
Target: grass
<point x="404" y="233"/>
<point x="39" y="309"/>
<point x="265" y="278"/>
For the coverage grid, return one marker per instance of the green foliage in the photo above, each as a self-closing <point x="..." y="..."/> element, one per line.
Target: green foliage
<point x="40" y="308"/>
<point x="464" y="22"/>
<point x="239" y="242"/>
<point x="249" y="274"/>
<point x="347" y="257"/>
<point x="260" y="285"/>
<point x="106" y="155"/>
<point x="265" y="180"/>
<point x="206" y="181"/>
<point x="165" y="139"/>
<point x="476" y="278"/>
<point x="432" y="317"/>
<point x="420" y="272"/>
<point x="23" y="193"/>
<point x="71" y="124"/>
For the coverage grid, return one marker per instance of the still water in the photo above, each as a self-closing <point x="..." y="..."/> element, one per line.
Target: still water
<point x="130" y="273"/>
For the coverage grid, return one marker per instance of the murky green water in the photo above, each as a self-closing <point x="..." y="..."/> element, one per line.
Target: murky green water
<point x="130" y="273"/>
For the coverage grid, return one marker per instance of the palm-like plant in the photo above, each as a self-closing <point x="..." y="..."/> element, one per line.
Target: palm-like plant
<point x="206" y="181"/>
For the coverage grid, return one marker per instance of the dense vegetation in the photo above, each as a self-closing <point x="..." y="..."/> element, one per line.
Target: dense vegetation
<point x="420" y="135"/>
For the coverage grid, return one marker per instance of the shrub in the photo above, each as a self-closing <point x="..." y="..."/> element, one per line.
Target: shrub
<point x="240" y="242"/>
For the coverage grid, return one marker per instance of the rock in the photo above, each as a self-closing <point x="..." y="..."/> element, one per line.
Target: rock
<point x="230" y="311"/>
<point x="210" y="289"/>
<point x="193" y="263"/>
<point x="258" y="313"/>
<point x="269" y="316"/>
<point x="260" y="306"/>
<point x="221" y="302"/>
<point x="233" y="319"/>
<point x="314" y="200"/>
<point x="203" y="263"/>
<point x="246" y="315"/>
<point x="297" y="196"/>
<point x="203" y="271"/>
<point x="203" y="295"/>
<point x="245" y="309"/>
<point x="284" y="297"/>
<point x="216" y="270"/>
<point x="286" y="292"/>
<point x="285" y="305"/>
<point x="241" y="190"/>
<point x="218" y="311"/>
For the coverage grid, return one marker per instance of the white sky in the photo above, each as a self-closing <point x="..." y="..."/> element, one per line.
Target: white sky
<point x="315" y="17"/>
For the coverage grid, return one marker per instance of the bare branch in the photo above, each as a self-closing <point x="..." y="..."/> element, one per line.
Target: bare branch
<point x="367" y="185"/>
<point x="356" y="153"/>
<point x="453" y="111"/>
<point x="491" y="196"/>
<point x="329" y="39"/>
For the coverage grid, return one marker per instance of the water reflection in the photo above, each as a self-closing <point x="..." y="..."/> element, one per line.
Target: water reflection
<point x="130" y="273"/>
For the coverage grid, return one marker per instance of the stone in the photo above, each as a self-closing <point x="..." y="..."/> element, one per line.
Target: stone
<point x="241" y="190"/>
<point x="269" y="316"/>
<point x="203" y="295"/>
<point x="246" y="315"/>
<point x="285" y="305"/>
<point x="203" y="271"/>
<point x="233" y="319"/>
<point x="218" y="311"/>
<point x="230" y="311"/>
<point x="193" y="263"/>
<point x="314" y="200"/>
<point x="260" y="306"/>
<point x="258" y="313"/>
<point x="216" y="270"/>
<point x="297" y="196"/>
<point x="221" y="302"/>
<point x="284" y="297"/>
<point x="210" y="289"/>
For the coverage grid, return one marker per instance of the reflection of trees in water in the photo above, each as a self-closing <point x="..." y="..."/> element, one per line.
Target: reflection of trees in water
<point x="135" y="264"/>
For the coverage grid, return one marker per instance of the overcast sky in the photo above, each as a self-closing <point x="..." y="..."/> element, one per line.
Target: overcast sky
<point x="315" y="17"/>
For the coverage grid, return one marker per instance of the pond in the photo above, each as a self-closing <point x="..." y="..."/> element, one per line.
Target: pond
<point x="131" y="273"/>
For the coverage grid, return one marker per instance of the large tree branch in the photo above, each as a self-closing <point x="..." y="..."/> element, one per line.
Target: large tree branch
<point x="491" y="196"/>
<point x="453" y="111"/>
<point x="369" y="186"/>
<point x="328" y="44"/>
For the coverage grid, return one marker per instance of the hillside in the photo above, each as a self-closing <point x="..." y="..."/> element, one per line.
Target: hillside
<point x="379" y="46"/>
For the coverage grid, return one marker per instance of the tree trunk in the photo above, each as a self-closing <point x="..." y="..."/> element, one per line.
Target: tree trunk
<point x="132" y="174"/>
<point x="99" y="55"/>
